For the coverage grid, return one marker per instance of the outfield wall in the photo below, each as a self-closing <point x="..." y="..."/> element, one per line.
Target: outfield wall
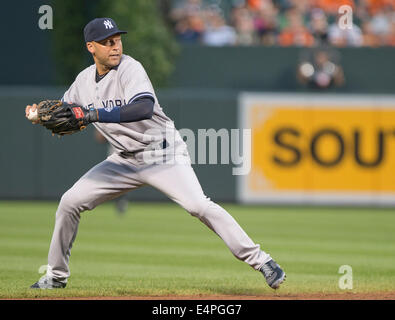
<point x="35" y="165"/>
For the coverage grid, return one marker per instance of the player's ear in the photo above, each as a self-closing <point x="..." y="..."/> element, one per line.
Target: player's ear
<point x="90" y="47"/>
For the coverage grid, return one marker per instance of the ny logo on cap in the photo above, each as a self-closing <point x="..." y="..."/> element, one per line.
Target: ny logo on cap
<point x="108" y="24"/>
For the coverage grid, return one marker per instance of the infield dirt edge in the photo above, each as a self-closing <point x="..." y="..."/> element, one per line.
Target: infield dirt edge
<point x="316" y="296"/>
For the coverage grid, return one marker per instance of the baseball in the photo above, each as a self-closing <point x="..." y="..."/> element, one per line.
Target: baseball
<point x="32" y="116"/>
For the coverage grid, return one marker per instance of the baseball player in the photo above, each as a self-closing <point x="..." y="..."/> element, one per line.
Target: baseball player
<point x="118" y="98"/>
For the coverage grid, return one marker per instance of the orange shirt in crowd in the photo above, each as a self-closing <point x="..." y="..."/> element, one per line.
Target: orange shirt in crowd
<point x="332" y="6"/>
<point x="291" y="37"/>
<point x="257" y="5"/>
<point x="376" y="5"/>
<point x="254" y="4"/>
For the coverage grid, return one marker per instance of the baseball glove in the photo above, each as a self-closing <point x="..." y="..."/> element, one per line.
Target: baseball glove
<point x="64" y="118"/>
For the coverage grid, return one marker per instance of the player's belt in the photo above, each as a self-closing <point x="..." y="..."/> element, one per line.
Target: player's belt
<point x="161" y="145"/>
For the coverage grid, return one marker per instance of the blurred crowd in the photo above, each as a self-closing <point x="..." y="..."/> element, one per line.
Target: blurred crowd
<point x="304" y="23"/>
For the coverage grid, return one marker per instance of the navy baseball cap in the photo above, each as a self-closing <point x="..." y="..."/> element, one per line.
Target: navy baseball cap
<point x="100" y="28"/>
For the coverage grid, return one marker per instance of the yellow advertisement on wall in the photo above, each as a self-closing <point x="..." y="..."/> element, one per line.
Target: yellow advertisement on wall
<point x="335" y="149"/>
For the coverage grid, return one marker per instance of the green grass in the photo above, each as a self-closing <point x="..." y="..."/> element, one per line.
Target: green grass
<point x="159" y="249"/>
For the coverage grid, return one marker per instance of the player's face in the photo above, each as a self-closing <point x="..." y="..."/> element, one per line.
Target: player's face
<point x="108" y="52"/>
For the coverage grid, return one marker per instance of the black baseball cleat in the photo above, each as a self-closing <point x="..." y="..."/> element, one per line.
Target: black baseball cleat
<point x="273" y="274"/>
<point x="48" y="283"/>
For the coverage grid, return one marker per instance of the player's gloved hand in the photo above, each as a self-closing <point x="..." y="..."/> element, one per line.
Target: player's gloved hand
<point x="64" y="118"/>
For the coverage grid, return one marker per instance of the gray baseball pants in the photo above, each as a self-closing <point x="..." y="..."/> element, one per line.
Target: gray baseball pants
<point x="117" y="175"/>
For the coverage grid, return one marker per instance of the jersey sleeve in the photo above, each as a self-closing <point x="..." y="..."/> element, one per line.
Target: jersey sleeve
<point x="136" y="84"/>
<point x="72" y="94"/>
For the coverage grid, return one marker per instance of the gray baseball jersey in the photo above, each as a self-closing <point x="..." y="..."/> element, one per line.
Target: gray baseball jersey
<point x="122" y="85"/>
<point x="117" y="174"/>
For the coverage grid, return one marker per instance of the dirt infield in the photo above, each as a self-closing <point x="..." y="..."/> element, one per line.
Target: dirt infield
<point x="317" y="296"/>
